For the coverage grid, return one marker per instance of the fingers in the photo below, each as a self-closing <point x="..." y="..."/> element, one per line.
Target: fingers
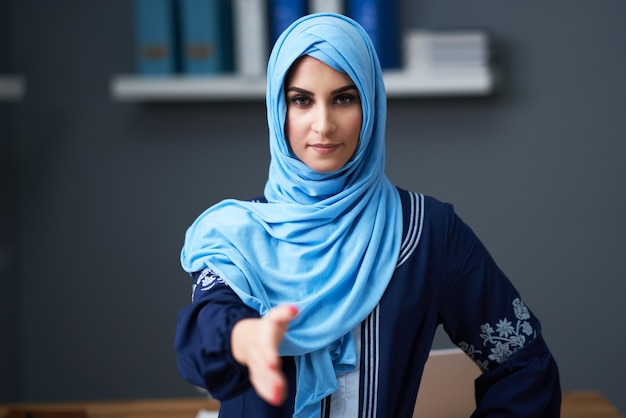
<point x="269" y="383"/>
<point x="255" y="345"/>
<point x="266" y="374"/>
<point x="280" y="317"/>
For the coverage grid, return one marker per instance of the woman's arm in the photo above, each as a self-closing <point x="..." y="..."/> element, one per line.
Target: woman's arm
<point x="526" y="385"/>
<point x="484" y="315"/>
<point x="223" y="345"/>
<point x="203" y="333"/>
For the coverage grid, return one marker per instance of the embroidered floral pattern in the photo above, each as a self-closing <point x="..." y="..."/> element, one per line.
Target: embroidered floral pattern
<point x="206" y="280"/>
<point x="505" y="339"/>
<point x="474" y="354"/>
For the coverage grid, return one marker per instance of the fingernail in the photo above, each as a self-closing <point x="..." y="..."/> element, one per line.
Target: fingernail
<point x="278" y="393"/>
<point x="293" y="309"/>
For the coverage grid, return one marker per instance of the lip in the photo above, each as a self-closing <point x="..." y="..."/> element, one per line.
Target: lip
<point x="324" y="148"/>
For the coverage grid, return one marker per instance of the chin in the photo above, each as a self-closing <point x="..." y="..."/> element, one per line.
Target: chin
<point x="325" y="168"/>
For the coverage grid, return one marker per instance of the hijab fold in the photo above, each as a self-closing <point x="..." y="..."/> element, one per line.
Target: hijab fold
<point x="326" y="242"/>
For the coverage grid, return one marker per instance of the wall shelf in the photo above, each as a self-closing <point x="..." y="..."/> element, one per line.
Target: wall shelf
<point x="12" y="87"/>
<point x="459" y="81"/>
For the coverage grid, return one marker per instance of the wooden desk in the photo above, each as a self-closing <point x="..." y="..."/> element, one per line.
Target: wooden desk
<point x="587" y="404"/>
<point x="575" y="405"/>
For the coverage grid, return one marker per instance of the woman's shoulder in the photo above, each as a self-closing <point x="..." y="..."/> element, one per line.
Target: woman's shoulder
<point x="414" y="201"/>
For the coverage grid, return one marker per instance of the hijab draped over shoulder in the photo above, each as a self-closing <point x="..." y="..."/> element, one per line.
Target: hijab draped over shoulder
<point x="326" y="242"/>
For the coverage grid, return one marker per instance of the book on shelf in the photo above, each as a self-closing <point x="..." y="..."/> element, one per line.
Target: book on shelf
<point x="251" y="40"/>
<point x="206" y="42"/>
<point x="381" y="21"/>
<point x="202" y="37"/>
<point x="155" y="37"/>
<point x="326" y="6"/>
<point x="283" y="13"/>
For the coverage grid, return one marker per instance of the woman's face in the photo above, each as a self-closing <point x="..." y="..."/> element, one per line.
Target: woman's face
<point x="324" y="115"/>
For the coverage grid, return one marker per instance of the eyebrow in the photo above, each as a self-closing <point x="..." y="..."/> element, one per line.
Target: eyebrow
<point x="336" y="91"/>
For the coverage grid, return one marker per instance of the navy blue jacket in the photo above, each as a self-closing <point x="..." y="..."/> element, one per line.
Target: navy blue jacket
<point x="444" y="276"/>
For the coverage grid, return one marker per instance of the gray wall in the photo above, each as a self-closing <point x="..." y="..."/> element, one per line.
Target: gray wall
<point x="9" y="320"/>
<point x="108" y="188"/>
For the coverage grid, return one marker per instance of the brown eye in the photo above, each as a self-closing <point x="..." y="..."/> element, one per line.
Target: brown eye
<point x="346" y="98"/>
<point x="300" y="100"/>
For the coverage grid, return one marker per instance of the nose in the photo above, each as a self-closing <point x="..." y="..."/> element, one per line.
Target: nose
<point x="323" y="121"/>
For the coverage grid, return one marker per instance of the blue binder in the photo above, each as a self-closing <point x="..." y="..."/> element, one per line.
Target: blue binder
<point x="283" y="13"/>
<point x="205" y="36"/>
<point x="155" y="41"/>
<point x="381" y="21"/>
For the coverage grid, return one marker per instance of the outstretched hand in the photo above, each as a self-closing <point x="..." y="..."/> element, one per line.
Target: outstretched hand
<point x="255" y="342"/>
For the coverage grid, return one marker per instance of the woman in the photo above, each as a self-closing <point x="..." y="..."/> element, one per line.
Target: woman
<point x="322" y="297"/>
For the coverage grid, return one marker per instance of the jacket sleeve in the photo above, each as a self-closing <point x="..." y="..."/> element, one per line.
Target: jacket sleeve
<point x="485" y="316"/>
<point x="203" y="352"/>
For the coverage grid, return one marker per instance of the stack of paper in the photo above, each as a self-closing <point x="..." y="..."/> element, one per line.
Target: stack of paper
<point x="424" y="50"/>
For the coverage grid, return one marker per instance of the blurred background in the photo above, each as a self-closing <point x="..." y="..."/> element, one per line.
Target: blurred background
<point x="97" y="193"/>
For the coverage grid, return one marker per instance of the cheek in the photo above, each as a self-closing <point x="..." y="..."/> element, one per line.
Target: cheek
<point x="289" y="130"/>
<point x="293" y="133"/>
<point x="290" y="124"/>
<point x="355" y="128"/>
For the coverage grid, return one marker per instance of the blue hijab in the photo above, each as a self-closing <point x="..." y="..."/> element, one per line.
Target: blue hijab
<point x="326" y="242"/>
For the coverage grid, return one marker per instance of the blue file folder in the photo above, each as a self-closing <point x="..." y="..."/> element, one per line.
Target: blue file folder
<point x="155" y="37"/>
<point x="381" y="21"/>
<point x="205" y="36"/>
<point x="283" y="13"/>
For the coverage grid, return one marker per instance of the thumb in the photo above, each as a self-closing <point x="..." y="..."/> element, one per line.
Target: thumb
<point x="282" y="315"/>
